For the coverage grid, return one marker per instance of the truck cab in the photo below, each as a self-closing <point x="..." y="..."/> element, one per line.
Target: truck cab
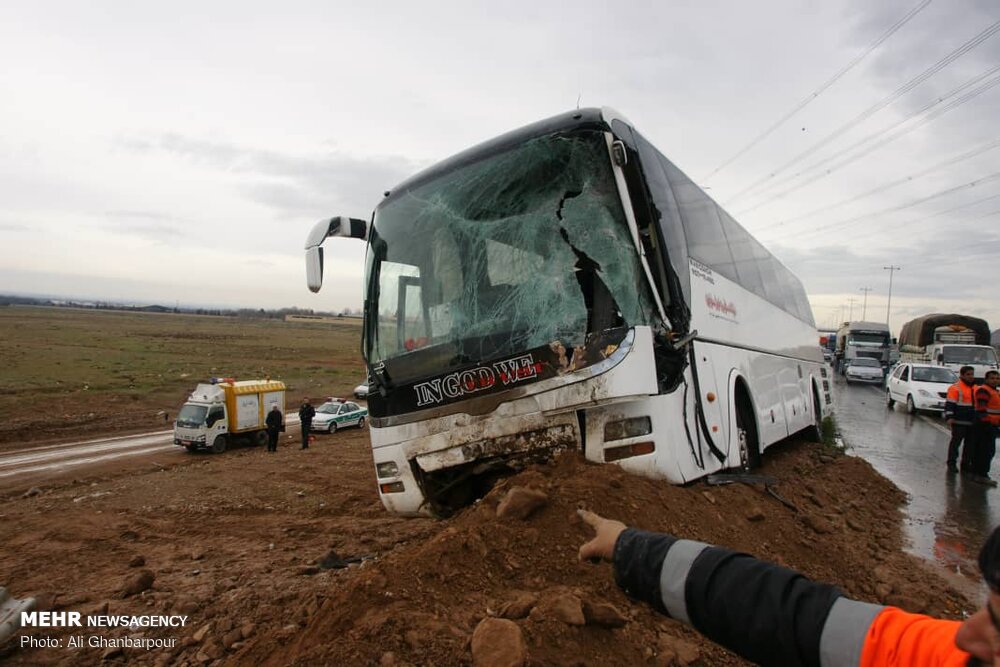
<point x="982" y="358"/>
<point x="202" y="422"/>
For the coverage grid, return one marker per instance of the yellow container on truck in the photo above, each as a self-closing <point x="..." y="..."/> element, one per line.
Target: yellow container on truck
<point x="218" y="412"/>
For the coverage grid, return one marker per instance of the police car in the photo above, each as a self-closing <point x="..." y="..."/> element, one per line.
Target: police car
<point x="338" y="413"/>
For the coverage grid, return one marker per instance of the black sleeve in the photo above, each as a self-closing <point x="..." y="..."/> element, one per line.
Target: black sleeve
<point x="768" y="614"/>
<point x="638" y="560"/>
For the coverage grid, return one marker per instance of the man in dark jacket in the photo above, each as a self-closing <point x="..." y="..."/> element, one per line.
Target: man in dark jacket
<point x="771" y="615"/>
<point x="306" y="414"/>
<point x="273" y="423"/>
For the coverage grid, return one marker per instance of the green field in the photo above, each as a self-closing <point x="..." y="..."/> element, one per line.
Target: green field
<point x="63" y="367"/>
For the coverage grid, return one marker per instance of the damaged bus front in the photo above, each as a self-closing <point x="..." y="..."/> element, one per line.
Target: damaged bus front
<point x="513" y="307"/>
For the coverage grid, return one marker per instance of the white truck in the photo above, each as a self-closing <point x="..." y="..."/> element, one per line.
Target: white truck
<point x="949" y="340"/>
<point x="219" y="411"/>
<point x="862" y="340"/>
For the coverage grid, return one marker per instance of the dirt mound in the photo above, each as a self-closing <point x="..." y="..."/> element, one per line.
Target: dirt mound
<point x="422" y="604"/>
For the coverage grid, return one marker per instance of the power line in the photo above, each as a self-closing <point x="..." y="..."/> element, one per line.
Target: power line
<point x="933" y="115"/>
<point x="878" y="106"/>
<point x="893" y="209"/>
<point x="888" y="186"/>
<point x="907" y="223"/>
<point x="829" y="82"/>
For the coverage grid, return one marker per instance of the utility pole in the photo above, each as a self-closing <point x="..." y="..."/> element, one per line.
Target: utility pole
<point x="851" y="301"/>
<point x="888" y="306"/>
<point x="864" y="308"/>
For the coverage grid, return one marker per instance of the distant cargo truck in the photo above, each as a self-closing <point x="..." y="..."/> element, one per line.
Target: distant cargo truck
<point x="861" y="340"/>
<point x="949" y="340"/>
<point x="220" y="411"/>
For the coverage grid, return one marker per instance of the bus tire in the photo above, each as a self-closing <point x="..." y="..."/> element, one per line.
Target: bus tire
<point x="260" y="438"/>
<point x="219" y="444"/>
<point x="746" y="432"/>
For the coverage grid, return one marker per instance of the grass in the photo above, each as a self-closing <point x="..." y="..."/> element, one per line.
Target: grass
<point x="84" y="356"/>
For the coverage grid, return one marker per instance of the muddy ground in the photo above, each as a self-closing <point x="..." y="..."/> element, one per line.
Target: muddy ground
<point x="237" y="543"/>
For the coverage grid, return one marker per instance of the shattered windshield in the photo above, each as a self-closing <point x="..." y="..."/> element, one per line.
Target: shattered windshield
<point x="192" y="415"/>
<point x="513" y="252"/>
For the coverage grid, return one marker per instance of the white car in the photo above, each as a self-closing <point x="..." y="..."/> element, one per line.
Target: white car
<point x="338" y="413"/>
<point x="361" y="391"/>
<point x="863" y="369"/>
<point x="920" y="386"/>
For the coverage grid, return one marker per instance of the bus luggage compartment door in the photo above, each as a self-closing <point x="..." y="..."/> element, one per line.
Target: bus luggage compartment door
<point x="711" y="401"/>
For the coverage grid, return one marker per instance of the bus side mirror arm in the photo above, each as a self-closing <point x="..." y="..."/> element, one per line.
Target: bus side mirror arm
<point x="340" y="226"/>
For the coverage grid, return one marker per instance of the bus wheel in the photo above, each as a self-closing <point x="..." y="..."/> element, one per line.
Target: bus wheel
<point x="260" y="438"/>
<point x="219" y="444"/>
<point x="747" y="435"/>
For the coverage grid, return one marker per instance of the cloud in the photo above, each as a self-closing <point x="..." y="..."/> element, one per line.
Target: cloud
<point x="330" y="183"/>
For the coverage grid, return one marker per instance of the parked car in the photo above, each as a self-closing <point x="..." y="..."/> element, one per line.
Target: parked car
<point x="863" y="369"/>
<point x="827" y="355"/>
<point x="361" y="391"/>
<point x="338" y="413"/>
<point x="920" y="386"/>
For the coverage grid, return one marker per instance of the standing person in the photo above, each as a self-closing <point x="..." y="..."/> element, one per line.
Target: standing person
<point x="306" y="414"/>
<point x="984" y="431"/>
<point x="273" y="423"/>
<point x="960" y="414"/>
<point x="771" y="615"/>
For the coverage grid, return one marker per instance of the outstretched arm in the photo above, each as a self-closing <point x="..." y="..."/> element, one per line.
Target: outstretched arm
<point x="765" y="613"/>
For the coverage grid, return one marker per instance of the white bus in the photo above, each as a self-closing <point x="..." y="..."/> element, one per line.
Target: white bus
<point x="565" y="286"/>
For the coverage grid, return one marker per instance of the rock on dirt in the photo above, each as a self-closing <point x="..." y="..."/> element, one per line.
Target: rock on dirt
<point x="137" y="583"/>
<point x="498" y="642"/>
<point x="603" y="614"/>
<point x="521" y="503"/>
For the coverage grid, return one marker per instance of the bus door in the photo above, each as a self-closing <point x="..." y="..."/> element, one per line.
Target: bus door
<point x="709" y="424"/>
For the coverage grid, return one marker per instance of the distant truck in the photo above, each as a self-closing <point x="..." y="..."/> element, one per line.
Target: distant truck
<point x="219" y="411"/>
<point x="948" y="340"/>
<point x="862" y="340"/>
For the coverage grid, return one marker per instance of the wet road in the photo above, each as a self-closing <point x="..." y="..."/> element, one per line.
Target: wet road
<point x="50" y="460"/>
<point x="947" y="517"/>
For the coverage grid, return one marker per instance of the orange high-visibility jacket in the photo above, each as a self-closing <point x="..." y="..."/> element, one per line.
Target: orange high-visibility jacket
<point x="900" y="639"/>
<point x="959" y="404"/>
<point x="988" y="404"/>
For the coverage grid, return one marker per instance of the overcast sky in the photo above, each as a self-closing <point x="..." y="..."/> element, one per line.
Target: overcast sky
<point x="180" y="152"/>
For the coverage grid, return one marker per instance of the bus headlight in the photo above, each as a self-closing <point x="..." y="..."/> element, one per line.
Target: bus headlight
<point x="386" y="469"/>
<point x="627" y="428"/>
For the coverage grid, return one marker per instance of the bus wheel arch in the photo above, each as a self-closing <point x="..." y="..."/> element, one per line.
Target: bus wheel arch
<point x="747" y="434"/>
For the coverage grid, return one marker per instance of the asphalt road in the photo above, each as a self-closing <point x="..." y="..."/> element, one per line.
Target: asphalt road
<point x="947" y="517"/>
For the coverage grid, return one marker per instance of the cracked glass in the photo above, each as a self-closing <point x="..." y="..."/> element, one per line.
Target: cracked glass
<point x="509" y="253"/>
